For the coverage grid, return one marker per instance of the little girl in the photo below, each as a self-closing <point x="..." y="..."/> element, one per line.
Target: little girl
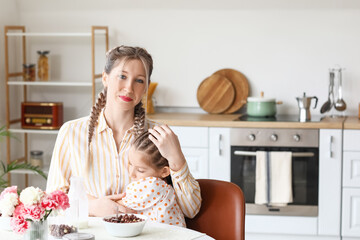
<point x="149" y="192"/>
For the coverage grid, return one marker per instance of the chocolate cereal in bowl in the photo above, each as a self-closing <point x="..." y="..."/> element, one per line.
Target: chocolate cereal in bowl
<point x="124" y="225"/>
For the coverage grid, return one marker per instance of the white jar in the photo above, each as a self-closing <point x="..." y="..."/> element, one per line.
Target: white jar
<point x="36" y="158"/>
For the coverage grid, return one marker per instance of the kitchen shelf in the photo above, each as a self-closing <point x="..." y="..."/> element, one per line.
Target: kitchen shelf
<point x="33" y="131"/>
<point x="23" y="171"/>
<point x="13" y="125"/>
<point x="29" y="34"/>
<point x="54" y="83"/>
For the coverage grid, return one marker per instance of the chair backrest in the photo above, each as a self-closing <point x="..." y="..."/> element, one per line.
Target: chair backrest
<point x="222" y="212"/>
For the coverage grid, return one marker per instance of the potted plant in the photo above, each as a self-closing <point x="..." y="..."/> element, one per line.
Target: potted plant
<point x="14" y="165"/>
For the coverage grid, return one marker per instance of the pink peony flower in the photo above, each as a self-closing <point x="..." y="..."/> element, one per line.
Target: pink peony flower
<point x="33" y="212"/>
<point x="49" y="204"/>
<point x="19" y="210"/>
<point x="19" y="224"/>
<point x="56" y="200"/>
<point x="12" y="189"/>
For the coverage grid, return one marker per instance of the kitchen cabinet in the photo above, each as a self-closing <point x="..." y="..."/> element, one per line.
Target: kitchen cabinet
<point x="351" y="213"/>
<point x="219" y="153"/>
<point x="207" y="151"/>
<point x="330" y="155"/>
<point x="14" y="79"/>
<point x="351" y="185"/>
<point x="194" y="143"/>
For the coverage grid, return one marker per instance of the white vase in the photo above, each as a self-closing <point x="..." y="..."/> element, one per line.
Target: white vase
<point x="5" y="223"/>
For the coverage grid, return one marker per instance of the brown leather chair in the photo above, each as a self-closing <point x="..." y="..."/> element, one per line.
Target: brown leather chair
<point x="222" y="212"/>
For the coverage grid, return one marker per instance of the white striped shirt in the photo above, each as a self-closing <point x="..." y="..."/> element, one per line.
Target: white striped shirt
<point x="109" y="169"/>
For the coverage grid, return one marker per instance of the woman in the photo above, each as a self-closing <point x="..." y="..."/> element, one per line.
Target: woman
<point x="96" y="147"/>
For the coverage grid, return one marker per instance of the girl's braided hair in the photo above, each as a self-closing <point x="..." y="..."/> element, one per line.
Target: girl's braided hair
<point x="113" y="58"/>
<point x="143" y="144"/>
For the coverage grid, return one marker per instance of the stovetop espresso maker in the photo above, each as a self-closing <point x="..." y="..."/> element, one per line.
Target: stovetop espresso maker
<point x="304" y="103"/>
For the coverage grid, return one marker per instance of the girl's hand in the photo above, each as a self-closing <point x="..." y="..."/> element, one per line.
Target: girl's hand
<point x="169" y="146"/>
<point x="106" y="205"/>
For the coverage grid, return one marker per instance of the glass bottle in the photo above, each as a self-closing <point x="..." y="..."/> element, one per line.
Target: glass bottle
<point x="36" y="158"/>
<point x="43" y="65"/>
<point x="78" y="211"/>
<point x="29" y="72"/>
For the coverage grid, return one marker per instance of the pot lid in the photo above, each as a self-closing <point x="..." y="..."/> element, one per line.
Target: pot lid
<point x="260" y="99"/>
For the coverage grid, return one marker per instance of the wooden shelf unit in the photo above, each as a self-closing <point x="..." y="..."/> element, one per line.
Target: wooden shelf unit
<point x="19" y="31"/>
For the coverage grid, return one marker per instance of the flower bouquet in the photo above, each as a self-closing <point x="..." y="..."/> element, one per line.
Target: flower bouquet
<point x="31" y="209"/>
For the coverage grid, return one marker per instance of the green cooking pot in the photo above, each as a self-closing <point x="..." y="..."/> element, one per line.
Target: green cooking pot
<point x="261" y="107"/>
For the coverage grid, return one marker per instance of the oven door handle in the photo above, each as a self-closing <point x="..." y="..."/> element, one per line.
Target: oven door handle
<point x="294" y="154"/>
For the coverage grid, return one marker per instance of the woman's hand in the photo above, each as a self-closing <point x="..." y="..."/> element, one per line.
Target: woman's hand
<point x="169" y="146"/>
<point x="107" y="205"/>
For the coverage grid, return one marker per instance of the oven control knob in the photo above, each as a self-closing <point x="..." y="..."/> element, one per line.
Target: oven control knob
<point x="296" y="137"/>
<point x="274" y="137"/>
<point x="251" y="137"/>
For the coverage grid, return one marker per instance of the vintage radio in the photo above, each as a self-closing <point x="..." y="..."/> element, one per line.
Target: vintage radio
<point x="41" y="115"/>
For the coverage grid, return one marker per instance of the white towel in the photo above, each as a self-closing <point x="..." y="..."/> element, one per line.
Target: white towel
<point x="273" y="178"/>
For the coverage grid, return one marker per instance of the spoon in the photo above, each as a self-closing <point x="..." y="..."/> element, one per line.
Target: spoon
<point x="328" y="104"/>
<point x="340" y="104"/>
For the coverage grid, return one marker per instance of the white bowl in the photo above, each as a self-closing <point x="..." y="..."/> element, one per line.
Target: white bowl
<point x="125" y="229"/>
<point x="5" y="223"/>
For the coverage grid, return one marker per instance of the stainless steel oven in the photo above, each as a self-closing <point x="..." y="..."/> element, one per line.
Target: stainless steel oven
<point x="304" y="145"/>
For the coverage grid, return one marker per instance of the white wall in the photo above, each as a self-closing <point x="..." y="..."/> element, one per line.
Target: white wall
<point x="283" y="47"/>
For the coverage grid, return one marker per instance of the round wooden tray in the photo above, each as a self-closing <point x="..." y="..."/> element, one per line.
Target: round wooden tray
<point x="241" y="86"/>
<point x="216" y="94"/>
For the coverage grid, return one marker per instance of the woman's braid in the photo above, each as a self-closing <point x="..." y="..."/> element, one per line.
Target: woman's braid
<point x="139" y="119"/>
<point x="94" y="115"/>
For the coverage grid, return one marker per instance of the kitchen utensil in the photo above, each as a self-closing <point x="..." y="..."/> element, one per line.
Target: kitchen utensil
<point x="340" y="104"/>
<point x="261" y="107"/>
<point x="215" y="94"/>
<point x="149" y="102"/>
<point x="329" y="103"/>
<point x="304" y="107"/>
<point x="241" y="86"/>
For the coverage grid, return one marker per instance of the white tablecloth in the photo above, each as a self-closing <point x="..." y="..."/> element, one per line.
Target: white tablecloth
<point x="151" y="231"/>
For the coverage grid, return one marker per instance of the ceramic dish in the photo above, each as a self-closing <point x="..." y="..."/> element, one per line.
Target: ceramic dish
<point x="125" y="229"/>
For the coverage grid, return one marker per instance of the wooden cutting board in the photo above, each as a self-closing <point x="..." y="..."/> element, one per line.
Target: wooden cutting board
<point x="241" y="86"/>
<point x="215" y="94"/>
